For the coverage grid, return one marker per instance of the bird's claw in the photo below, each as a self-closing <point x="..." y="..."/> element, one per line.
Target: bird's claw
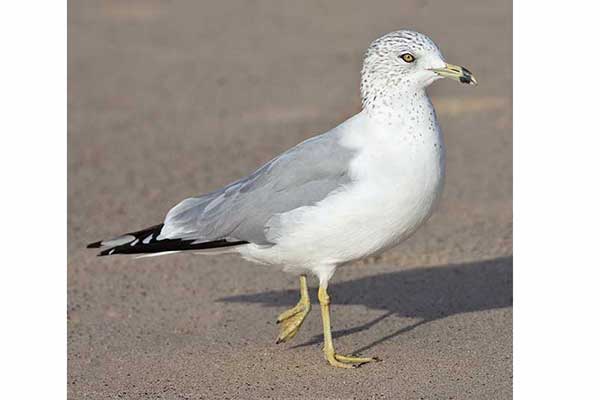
<point x="342" y="361"/>
<point x="291" y="321"/>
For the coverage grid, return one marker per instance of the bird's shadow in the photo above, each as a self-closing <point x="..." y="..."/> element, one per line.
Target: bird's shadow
<point x="426" y="294"/>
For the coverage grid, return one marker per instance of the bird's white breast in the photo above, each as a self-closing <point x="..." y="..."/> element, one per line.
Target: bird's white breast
<point x="398" y="175"/>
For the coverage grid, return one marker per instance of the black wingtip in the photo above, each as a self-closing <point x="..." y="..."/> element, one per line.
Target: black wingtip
<point x="146" y="241"/>
<point x="106" y="252"/>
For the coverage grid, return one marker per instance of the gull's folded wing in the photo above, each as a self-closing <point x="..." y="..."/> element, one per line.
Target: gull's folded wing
<point x="302" y="176"/>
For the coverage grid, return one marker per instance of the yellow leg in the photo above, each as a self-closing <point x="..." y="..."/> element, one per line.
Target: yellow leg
<point x="337" y="360"/>
<point x="292" y="319"/>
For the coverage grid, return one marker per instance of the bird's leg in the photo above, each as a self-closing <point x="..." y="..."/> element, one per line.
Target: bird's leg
<point x="292" y="319"/>
<point x="337" y="360"/>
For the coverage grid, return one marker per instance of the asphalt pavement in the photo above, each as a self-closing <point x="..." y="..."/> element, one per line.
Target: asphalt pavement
<point x="170" y="99"/>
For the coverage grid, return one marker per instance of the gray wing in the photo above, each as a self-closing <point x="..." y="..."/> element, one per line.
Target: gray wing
<point x="301" y="176"/>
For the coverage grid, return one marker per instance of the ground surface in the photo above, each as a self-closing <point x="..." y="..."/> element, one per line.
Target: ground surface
<point x="172" y="99"/>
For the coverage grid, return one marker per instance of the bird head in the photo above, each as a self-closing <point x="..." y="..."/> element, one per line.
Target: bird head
<point x="405" y="61"/>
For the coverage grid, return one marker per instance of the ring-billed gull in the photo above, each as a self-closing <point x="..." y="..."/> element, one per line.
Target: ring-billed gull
<point x="355" y="191"/>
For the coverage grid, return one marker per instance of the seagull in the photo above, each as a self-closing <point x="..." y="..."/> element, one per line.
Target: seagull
<point x="355" y="191"/>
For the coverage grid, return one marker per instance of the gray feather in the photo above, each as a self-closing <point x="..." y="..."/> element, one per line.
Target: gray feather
<point x="302" y="176"/>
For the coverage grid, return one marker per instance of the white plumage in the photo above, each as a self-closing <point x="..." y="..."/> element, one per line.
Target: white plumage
<point x="396" y="177"/>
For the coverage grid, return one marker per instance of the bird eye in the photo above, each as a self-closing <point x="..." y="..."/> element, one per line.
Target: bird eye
<point x="407" y="57"/>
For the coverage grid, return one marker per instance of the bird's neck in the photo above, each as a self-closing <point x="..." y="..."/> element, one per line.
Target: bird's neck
<point x="395" y="106"/>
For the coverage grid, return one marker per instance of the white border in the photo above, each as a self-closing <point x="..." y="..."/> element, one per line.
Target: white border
<point x="557" y="175"/>
<point x="33" y="166"/>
